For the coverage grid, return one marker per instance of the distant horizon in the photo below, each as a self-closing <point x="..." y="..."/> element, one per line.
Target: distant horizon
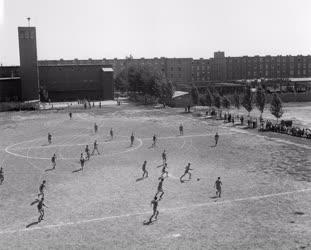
<point x="166" y="28"/>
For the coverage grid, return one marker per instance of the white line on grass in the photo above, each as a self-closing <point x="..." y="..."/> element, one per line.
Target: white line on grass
<point x="63" y="224"/>
<point x="7" y="150"/>
<point x="269" y="138"/>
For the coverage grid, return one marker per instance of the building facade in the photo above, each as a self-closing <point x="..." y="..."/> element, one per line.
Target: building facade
<point x="59" y="80"/>
<point x="216" y="69"/>
<point x="72" y="82"/>
<point x="28" y="64"/>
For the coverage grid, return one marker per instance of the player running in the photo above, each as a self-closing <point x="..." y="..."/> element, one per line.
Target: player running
<point x="95" y="145"/>
<point x="82" y="161"/>
<point x="70" y="115"/>
<point x="87" y="151"/>
<point x="218" y="185"/>
<point x="216" y="139"/>
<point x="160" y="189"/>
<point x="181" y="129"/>
<point x="40" y="209"/>
<point x="95" y="128"/>
<point x="187" y="169"/>
<point x="1" y="176"/>
<point x="164" y="157"/>
<point x="41" y="189"/>
<point x="49" y="138"/>
<point x="145" y="172"/>
<point x="132" y="139"/>
<point x="53" y="160"/>
<point x="154" y="203"/>
<point x="111" y="134"/>
<point x="164" y="171"/>
<point x="154" y="140"/>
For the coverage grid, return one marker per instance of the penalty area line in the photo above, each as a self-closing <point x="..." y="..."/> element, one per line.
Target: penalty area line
<point x="63" y="224"/>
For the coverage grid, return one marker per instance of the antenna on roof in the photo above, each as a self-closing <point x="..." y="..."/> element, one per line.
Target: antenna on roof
<point x="28" y="19"/>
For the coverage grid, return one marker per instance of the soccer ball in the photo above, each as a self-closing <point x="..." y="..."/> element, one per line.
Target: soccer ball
<point x="198" y="179"/>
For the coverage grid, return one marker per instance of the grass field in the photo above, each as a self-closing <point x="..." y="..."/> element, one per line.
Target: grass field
<point x="266" y="183"/>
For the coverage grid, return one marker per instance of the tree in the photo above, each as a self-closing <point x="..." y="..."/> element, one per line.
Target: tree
<point x="147" y="82"/>
<point x="276" y="106"/>
<point x="225" y="102"/>
<point x="202" y="100"/>
<point x="166" y="91"/>
<point x="121" y="83"/>
<point x="236" y="100"/>
<point x="194" y="93"/>
<point x="260" y="100"/>
<point x="247" y="101"/>
<point x="217" y="101"/>
<point x="209" y="98"/>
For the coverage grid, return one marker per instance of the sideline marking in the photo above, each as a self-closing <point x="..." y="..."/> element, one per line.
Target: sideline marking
<point x="63" y="224"/>
<point x="269" y="138"/>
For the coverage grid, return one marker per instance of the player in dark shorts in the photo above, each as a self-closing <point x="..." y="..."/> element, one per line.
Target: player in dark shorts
<point x="70" y="115"/>
<point x="111" y="134"/>
<point x="164" y="157"/>
<point x="181" y="129"/>
<point x="1" y="176"/>
<point x="41" y="189"/>
<point x="160" y="189"/>
<point x="164" y="171"/>
<point x="53" y="160"/>
<point x="87" y="151"/>
<point x="95" y="128"/>
<point x="49" y="138"/>
<point x="145" y="172"/>
<point x="154" y="203"/>
<point x="216" y="139"/>
<point x="95" y="145"/>
<point x="132" y="139"/>
<point x="40" y="209"/>
<point x="154" y="140"/>
<point x="187" y="169"/>
<point x="218" y="185"/>
<point x="82" y="160"/>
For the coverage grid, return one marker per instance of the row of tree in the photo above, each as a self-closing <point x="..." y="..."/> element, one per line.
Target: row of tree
<point x="248" y="100"/>
<point x="145" y="81"/>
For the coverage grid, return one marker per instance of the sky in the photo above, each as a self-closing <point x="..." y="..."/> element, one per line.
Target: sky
<point x="99" y="29"/>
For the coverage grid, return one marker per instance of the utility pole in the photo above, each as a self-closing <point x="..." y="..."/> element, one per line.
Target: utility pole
<point x="28" y="19"/>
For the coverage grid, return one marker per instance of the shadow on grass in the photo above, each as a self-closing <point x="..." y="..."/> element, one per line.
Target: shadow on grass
<point x="214" y="197"/>
<point x="159" y="166"/>
<point x="32" y="224"/>
<point x="140" y="179"/>
<point x="49" y="169"/>
<point x="77" y="170"/>
<point x="34" y="202"/>
<point x="183" y="181"/>
<point x="46" y="144"/>
<point x="146" y="223"/>
<point x="213" y="146"/>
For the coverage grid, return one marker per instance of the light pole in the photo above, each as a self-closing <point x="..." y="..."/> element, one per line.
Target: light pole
<point x="28" y="19"/>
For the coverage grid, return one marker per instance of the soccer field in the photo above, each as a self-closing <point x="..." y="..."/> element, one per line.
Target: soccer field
<point x="265" y="202"/>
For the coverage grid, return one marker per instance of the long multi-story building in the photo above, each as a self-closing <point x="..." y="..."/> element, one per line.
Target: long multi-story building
<point x="186" y="71"/>
<point x="216" y="69"/>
